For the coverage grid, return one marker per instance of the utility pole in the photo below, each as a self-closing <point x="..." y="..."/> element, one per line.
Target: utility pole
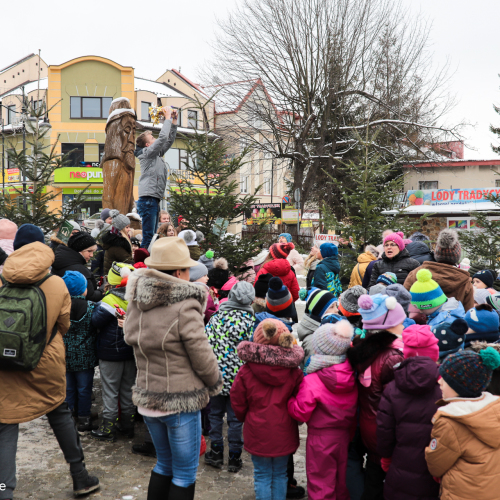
<point x="272" y="177"/>
<point x="23" y="115"/>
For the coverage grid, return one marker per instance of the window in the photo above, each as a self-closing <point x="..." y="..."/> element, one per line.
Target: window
<point x="101" y="152"/>
<point x="36" y="106"/>
<point x="497" y="183"/>
<point x="244" y="183"/>
<point x="427" y="184"/>
<point x="179" y="116"/>
<point x="254" y="119"/>
<point x="11" y="114"/>
<point x="243" y="143"/>
<point x="192" y="119"/>
<point x="76" y="156"/>
<point x="145" y="111"/>
<point x="172" y="158"/>
<point x="267" y="186"/>
<point x="90" y="107"/>
<point x="10" y="161"/>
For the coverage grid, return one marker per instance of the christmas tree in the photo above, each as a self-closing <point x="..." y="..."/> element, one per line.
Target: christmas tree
<point x="214" y="200"/>
<point x="37" y="161"/>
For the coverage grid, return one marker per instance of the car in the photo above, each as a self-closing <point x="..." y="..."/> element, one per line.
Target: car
<point x="90" y="222"/>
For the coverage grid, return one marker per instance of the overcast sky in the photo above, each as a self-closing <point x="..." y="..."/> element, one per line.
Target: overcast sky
<point x="153" y="36"/>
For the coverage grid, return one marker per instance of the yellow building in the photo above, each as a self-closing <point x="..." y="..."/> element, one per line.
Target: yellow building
<point x="77" y="95"/>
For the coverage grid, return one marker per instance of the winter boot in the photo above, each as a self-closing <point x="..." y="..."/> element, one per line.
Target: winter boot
<point x="126" y="425"/>
<point x="234" y="464"/>
<point x="295" y="491"/>
<point x="145" y="449"/>
<point x="83" y="483"/>
<point x="178" y="493"/>
<point x="215" y="457"/>
<point x="159" y="486"/>
<point x="107" y="431"/>
<point x="85" y="424"/>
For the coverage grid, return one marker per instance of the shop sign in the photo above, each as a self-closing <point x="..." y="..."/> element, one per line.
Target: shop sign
<point x="96" y="190"/>
<point x="268" y="212"/>
<point x="80" y="175"/>
<point x="290" y="216"/>
<point x="13" y="175"/>
<point x="65" y="232"/>
<point x="435" y="197"/>
<point x="329" y="238"/>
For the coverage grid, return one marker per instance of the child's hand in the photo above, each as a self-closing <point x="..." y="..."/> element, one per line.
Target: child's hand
<point x="121" y="322"/>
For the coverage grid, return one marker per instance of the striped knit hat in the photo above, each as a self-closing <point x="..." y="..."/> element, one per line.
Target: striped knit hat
<point x="318" y="302"/>
<point x="494" y="301"/>
<point x="278" y="299"/>
<point x="425" y="292"/>
<point x="387" y="279"/>
<point x="281" y="250"/>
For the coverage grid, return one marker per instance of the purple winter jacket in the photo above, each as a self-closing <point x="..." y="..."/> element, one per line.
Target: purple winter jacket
<point x="327" y="401"/>
<point x="404" y="424"/>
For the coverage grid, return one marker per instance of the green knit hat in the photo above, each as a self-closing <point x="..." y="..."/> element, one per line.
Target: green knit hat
<point x="425" y="292"/>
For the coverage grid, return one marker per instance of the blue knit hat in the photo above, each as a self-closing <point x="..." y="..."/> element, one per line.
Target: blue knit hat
<point x="451" y="336"/>
<point x="288" y="237"/>
<point x="387" y="279"/>
<point x="76" y="283"/>
<point x="482" y="319"/>
<point x="468" y="373"/>
<point x="26" y="234"/>
<point x="328" y="250"/>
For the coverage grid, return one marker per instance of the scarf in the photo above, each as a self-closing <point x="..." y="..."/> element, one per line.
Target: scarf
<point x="319" y="361"/>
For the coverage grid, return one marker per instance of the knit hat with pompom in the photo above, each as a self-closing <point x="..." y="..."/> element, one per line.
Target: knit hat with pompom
<point x="119" y="221"/>
<point x="448" y="247"/>
<point x="468" y="373"/>
<point x="281" y="250"/>
<point x="218" y="276"/>
<point x="380" y="312"/>
<point x="425" y="292"/>
<point x="396" y="238"/>
<point x="273" y="332"/>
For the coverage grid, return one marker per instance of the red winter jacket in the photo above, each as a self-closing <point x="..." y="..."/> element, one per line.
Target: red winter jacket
<point x="283" y="270"/>
<point x="374" y="359"/>
<point x="260" y="394"/>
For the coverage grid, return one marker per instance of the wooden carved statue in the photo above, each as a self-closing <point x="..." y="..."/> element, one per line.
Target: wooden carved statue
<point x="118" y="162"/>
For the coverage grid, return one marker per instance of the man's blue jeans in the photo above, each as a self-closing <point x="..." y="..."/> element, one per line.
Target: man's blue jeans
<point x="269" y="477"/>
<point x="79" y="391"/>
<point x="149" y="210"/>
<point x="177" y="439"/>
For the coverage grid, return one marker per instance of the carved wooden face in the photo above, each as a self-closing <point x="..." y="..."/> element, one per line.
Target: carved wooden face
<point x="126" y="131"/>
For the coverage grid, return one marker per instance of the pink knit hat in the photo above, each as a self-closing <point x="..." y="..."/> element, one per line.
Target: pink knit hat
<point x="397" y="238"/>
<point x="8" y="229"/>
<point x="420" y="341"/>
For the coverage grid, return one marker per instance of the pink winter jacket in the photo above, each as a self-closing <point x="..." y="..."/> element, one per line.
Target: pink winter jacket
<point x="8" y="248"/>
<point x="327" y="401"/>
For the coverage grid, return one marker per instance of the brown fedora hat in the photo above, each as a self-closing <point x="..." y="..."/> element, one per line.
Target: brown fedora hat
<point x="169" y="254"/>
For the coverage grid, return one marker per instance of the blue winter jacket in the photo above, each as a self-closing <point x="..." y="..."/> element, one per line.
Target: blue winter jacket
<point x="451" y="310"/>
<point x="111" y="345"/>
<point x="326" y="270"/>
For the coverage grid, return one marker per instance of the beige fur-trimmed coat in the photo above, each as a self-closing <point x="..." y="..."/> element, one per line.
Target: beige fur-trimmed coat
<point x="176" y="368"/>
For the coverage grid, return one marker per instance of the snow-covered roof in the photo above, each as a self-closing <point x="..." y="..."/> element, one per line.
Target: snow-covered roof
<point x="18" y="126"/>
<point x="231" y="96"/>
<point x="160" y="89"/>
<point x="28" y="87"/>
<point x="180" y="130"/>
<point x="464" y="208"/>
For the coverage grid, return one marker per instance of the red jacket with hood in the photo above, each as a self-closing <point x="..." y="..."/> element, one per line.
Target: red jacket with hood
<point x="283" y="270"/>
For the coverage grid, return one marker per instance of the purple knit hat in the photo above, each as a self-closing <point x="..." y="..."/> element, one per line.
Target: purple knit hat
<point x="380" y="312"/>
<point x="397" y="238"/>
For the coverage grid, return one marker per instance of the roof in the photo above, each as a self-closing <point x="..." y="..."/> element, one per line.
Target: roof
<point x="230" y="97"/>
<point x="196" y="86"/>
<point x="17" y="62"/>
<point x="28" y="87"/>
<point x="160" y="89"/>
<point x="452" y="163"/>
<point x="180" y="130"/>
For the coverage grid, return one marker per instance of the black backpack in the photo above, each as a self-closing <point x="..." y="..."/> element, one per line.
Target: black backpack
<point x="23" y="325"/>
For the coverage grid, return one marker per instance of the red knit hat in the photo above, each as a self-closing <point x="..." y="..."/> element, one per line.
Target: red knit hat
<point x="419" y="340"/>
<point x="273" y="332"/>
<point x="140" y="255"/>
<point x="396" y="238"/>
<point x="281" y="250"/>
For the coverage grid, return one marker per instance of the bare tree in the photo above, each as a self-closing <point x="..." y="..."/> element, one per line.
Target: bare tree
<point x="328" y="70"/>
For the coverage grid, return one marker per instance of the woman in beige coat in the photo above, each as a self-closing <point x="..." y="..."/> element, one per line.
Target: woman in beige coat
<point x="177" y="370"/>
<point x="26" y="395"/>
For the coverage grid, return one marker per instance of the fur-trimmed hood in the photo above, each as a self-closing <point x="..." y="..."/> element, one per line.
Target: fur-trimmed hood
<point x="365" y="351"/>
<point x="151" y="288"/>
<point x="111" y="239"/>
<point x="270" y="355"/>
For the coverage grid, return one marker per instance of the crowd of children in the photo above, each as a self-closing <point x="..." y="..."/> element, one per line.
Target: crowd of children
<point x="365" y="374"/>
